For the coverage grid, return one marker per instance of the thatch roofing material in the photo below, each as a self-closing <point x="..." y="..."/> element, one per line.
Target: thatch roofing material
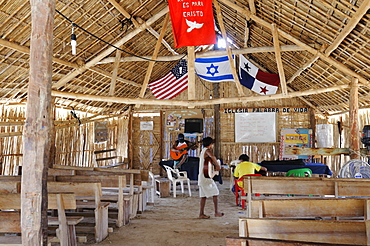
<point x="334" y="35"/>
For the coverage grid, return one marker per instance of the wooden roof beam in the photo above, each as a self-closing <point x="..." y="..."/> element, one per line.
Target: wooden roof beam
<point x="109" y="50"/>
<point x="154" y="56"/>
<point x="228" y="50"/>
<point x="138" y="22"/>
<point x="279" y="62"/>
<point x="265" y="49"/>
<point x="356" y="18"/>
<point x="310" y="49"/>
<point x="112" y="86"/>
<point x="195" y="103"/>
<point x="26" y="50"/>
<point x="305" y="66"/>
<point x="156" y="35"/>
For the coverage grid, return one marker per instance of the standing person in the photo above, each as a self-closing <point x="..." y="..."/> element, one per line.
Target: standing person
<point x="207" y="186"/>
<point x="179" y="150"/>
<point x="245" y="167"/>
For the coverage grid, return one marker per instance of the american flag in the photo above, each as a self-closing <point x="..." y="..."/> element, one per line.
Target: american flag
<point x="175" y="82"/>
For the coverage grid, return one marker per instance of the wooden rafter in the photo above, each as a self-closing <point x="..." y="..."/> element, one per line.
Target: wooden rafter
<point x="154" y="56"/>
<point x="195" y="103"/>
<point x="362" y="10"/>
<point x="109" y="50"/>
<point x="26" y="50"/>
<point x="307" y="47"/>
<point x="228" y="50"/>
<point x="112" y="86"/>
<point x="138" y="22"/>
<point x="278" y="59"/>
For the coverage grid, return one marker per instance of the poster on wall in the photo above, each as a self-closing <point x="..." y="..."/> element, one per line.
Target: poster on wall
<point x="295" y="138"/>
<point x="146" y="125"/>
<point x="101" y="132"/>
<point x="255" y="127"/>
<point x="175" y="119"/>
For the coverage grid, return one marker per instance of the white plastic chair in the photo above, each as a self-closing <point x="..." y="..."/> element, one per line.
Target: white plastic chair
<point x="181" y="177"/>
<point x="149" y="187"/>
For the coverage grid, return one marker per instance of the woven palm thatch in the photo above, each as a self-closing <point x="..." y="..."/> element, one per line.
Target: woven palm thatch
<point x="322" y="45"/>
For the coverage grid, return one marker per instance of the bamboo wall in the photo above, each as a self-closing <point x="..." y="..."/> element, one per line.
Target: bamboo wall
<point x="70" y="137"/>
<point x="12" y="120"/>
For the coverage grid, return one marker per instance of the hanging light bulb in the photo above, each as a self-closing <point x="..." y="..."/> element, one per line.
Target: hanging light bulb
<point x="73" y="41"/>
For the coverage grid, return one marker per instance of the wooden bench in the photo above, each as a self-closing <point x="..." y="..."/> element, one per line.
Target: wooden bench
<point x="88" y="195"/>
<point x="136" y="177"/>
<point x="11" y="220"/>
<point x="315" y="231"/>
<point x="305" y="187"/>
<point x="311" y="208"/>
<point x="10" y="186"/>
<point x="114" y="193"/>
<point x="311" y="201"/>
<point x="134" y="189"/>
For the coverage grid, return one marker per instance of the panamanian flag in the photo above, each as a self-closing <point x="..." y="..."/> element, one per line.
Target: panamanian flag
<point x="214" y="69"/>
<point x="256" y="80"/>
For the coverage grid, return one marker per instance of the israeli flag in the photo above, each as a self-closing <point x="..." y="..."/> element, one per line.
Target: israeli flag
<point x="214" y="69"/>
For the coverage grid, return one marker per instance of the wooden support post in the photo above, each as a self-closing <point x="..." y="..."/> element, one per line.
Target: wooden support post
<point x="216" y="121"/>
<point x="191" y="73"/>
<point x="36" y="138"/>
<point x="130" y="136"/>
<point x="354" y="141"/>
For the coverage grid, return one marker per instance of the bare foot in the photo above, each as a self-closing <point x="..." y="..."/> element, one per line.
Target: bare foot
<point x="219" y="214"/>
<point x="203" y="216"/>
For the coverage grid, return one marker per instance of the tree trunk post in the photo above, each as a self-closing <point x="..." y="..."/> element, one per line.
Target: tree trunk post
<point x="36" y="138"/>
<point x="354" y="141"/>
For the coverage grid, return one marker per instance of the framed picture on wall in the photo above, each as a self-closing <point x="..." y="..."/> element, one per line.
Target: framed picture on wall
<point x="146" y="125"/>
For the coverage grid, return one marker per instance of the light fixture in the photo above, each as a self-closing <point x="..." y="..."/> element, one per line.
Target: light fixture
<point x="73" y="41"/>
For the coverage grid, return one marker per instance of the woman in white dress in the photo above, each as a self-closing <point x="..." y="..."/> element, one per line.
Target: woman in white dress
<point x="207" y="186"/>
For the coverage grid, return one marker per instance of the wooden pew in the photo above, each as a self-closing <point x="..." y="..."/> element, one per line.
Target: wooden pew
<point x="11" y="220"/>
<point x="72" y="167"/>
<point x="10" y="184"/>
<point x="243" y="241"/>
<point x="88" y="195"/>
<point x="305" y="187"/>
<point x="134" y="190"/>
<point x="316" y="231"/>
<point x="311" y="208"/>
<point x="113" y="195"/>
<point x="136" y="178"/>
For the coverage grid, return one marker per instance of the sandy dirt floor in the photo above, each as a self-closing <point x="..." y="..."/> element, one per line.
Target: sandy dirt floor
<point x="174" y="222"/>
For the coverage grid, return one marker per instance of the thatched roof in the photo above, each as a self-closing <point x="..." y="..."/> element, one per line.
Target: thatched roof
<point x="324" y="44"/>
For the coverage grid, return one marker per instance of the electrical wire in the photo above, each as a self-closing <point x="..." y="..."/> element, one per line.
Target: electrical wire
<point x="144" y="58"/>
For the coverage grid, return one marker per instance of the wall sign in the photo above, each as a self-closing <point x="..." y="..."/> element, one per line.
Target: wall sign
<point x="146" y="126"/>
<point x="265" y="110"/>
<point x="101" y="132"/>
<point x="295" y="138"/>
<point x="255" y="127"/>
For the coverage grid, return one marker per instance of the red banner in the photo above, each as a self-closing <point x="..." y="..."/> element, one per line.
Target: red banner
<point x="192" y="22"/>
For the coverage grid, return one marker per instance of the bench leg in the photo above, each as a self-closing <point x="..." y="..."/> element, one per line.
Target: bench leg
<point x="101" y="223"/>
<point x="72" y="235"/>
